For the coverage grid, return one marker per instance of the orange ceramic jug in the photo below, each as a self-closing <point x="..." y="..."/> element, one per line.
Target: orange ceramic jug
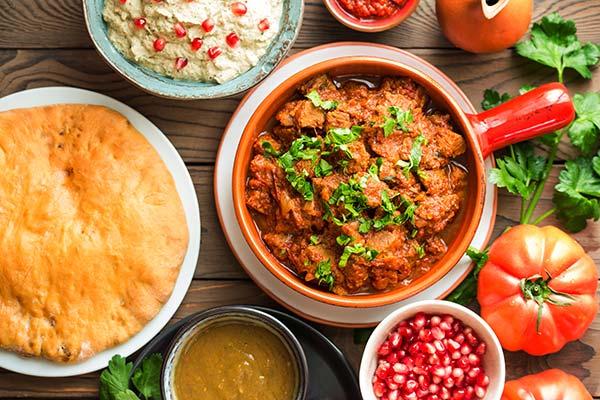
<point x="484" y="26"/>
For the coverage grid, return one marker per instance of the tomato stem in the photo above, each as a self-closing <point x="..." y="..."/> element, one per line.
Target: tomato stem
<point x="537" y="288"/>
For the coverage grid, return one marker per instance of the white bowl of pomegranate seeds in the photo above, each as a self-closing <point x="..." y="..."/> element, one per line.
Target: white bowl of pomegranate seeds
<point x="432" y="350"/>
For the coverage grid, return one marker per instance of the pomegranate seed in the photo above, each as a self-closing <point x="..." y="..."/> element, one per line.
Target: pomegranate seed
<point x="433" y="388"/>
<point x="239" y="8"/>
<point x="428" y="348"/>
<point x="399" y="379"/>
<point x="482" y="380"/>
<point x="264" y="25"/>
<point x="458" y="394"/>
<point x="383" y="370"/>
<point x="392" y="358"/>
<point x="140" y="22"/>
<point x="208" y="25"/>
<point x="434" y="359"/>
<point x="439" y="346"/>
<point x="419" y="370"/>
<point x="425" y="335"/>
<point x="439" y="371"/>
<point x="232" y="39"/>
<point x="392" y="386"/>
<point x="395" y="340"/>
<point x="449" y="382"/>
<point x="463" y="362"/>
<point x="435" y="320"/>
<point x="180" y="63"/>
<point x="453" y="344"/>
<point x="122" y="1"/>
<point x="410" y="386"/>
<point x="419" y="320"/>
<point x="460" y="338"/>
<point x="438" y="333"/>
<point x="179" y="30"/>
<point x="400" y="368"/>
<point x="455" y="355"/>
<point x="379" y="389"/>
<point x="405" y="332"/>
<point x="474" y="359"/>
<point x="480" y="392"/>
<point x="444" y="393"/>
<point x="159" y="44"/>
<point x="393" y="395"/>
<point x="481" y="349"/>
<point x="214" y="52"/>
<point x="457" y="372"/>
<point x="465" y="349"/>
<point x="384" y="350"/>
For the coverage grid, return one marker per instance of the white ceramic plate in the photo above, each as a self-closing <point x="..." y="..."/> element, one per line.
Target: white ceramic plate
<point x="294" y="301"/>
<point x="187" y="193"/>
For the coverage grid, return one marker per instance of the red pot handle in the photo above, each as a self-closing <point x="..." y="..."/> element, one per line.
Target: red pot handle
<point x="543" y="110"/>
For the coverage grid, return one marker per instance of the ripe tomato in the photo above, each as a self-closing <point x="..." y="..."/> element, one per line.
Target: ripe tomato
<point x="538" y="289"/>
<point x="552" y="384"/>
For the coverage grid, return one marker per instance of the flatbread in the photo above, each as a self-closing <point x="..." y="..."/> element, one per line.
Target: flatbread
<point x="92" y="231"/>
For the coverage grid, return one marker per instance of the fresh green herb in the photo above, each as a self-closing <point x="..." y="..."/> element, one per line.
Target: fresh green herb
<point x="392" y="216"/>
<point x="351" y="195"/>
<point x="147" y="378"/>
<point x="554" y="43"/>
<point x="269" y="149"/>
<point x="114" y="381"/>
<point x="416" y="152"/>
<point x="365" y="225"/>
<point x="491" y="99"/>
<point x="339" y="138"/>
<point x="420" y="250"/>
<point x="374" y="168"/>
<point x="326" y="105"/>
<point x="324" y="275"/>
<point x="577" y="194"/>
<point x="520" y="171"/>
<point x="466" y="292"/>
<point x="343" y="240"/>
<point x="315" y="240"/>
<point x="584" y="132"/>
<point x="397" y="119"/>
<point x="359" y="250"/>
<point x="303" y="148"/>
<point x="323" y="168"/>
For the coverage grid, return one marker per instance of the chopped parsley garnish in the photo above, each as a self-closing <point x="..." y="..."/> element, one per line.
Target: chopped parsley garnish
<point x="397" y="119"/>
<point x="391" y="216"/>
<point x="303" y="148"/>
<point x="323" y="273"/>
<point x="416" y="152"/>
<point x="269" y="149"/>
<point x="323" y="168"/>
<point x="365" y="225"/>
<point x="420" y="250"/>
<point x="359" y="250"/>
<point x="374" y="168"/>
<point x="351" y="195"/>
<point x="316" y="100"/>
<point x="343" y="240"/>
<point x="339" y="138"/>
<point x="115" y="385"/>
<point x="314" y="240"/>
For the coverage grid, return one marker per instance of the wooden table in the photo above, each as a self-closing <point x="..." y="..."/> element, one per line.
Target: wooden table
<point x="44" y="43"/>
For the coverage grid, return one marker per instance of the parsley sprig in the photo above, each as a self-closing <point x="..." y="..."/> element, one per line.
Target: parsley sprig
<point x="324" y="275"/>
<point x="414" y="159"/>
<point x="397" y="120"/>
<point x="316" y="100"/>
<point x="338" y="139"/>
<point x="554" y="43"/>
<point x="115" y="385"/>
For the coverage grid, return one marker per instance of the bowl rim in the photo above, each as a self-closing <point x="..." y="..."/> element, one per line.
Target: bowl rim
<point x="222" y="312"/>
<point x="258" y="247"/>
<point x="406" y="311"/>
<point x="198" y="93"/>
<point x="370" y="26"/>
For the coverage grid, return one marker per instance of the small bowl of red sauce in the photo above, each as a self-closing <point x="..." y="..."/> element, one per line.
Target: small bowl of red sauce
<point x="432" y="350"/>
<point x="371" y="15"/>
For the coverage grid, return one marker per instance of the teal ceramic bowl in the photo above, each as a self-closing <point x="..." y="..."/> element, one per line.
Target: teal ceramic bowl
<point x="163" y="86"/>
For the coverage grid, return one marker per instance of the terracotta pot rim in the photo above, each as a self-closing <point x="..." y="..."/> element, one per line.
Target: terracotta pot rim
<point x="283" y="273"/>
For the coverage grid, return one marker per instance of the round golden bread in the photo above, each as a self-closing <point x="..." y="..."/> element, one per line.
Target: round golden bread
<point x="92" y="231"/>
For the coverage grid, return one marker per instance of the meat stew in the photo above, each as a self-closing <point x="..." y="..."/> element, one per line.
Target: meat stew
<point x="357" y="182"/>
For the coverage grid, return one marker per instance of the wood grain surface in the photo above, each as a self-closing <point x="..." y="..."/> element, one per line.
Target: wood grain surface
<point x="45" y="43"/>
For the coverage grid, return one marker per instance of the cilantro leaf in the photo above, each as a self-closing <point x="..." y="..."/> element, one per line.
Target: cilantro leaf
<point x="420" y="250"/>
<point x="343" y="240"/>
<point x="519" y="171"/>
<point x="584" y="132"/>
<point x="339" y="138"/>
<point x="303" y="148"/>
<point x="269" y="149"/>
<point x="359" y="250"/>
<point x="115" y="379"/>
<point x="323" y="274"/>
<point x="554" y="43"/>
<point x="398" y="119"/>
<point x="492" y="98"/>
<point x="315" y="240"/>
<point x="323" y="168"/>
<point x="351" y="195"/>
<point x="577" y="194"/>
<point x="147" y="378"/>
<point x="126" y="395"/>
<point x="316" y="100"/>
<point x="416" y="152"/>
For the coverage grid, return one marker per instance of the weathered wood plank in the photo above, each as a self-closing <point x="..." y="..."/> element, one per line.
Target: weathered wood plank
<point x="195" y="127"/>
<point x="59" y="24"/>
<point x="578" y="358"/>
